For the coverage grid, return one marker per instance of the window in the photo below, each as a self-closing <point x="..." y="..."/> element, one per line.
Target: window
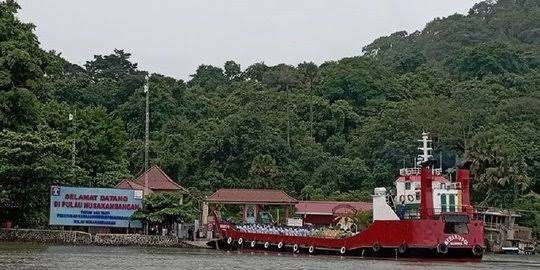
<point x="456" y="227"/>
<point x="443" y="202"/>
<point x="407" y="185"/>
<point x="451" y="203"/>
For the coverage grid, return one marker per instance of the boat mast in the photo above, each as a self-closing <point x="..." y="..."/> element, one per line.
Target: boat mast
<point x="426" y="178"/>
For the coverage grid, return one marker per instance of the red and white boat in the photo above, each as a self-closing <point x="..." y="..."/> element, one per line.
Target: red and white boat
<point x="443" y="224"/>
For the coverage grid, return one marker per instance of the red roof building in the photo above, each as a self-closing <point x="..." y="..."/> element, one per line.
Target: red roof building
<point x="158" y="181"/>
<point x="251" y="196"/>
<point x="128" y="184"/>
<point x="327" y="212"/>
<point x="253" y="200"/>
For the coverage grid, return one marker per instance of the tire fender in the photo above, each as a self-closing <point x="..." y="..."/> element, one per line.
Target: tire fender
<point x="442" y="248"/>
<point x="477" y="251"/>
<point x="402" y="248"/>
<point x="376" y="247"/>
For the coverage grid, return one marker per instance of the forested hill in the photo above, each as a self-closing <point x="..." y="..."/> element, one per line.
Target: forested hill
<point x="331" y="131"/>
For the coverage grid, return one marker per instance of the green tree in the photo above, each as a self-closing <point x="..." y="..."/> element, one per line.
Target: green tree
<point x="30" y="163"/>
<point x="499" y="163"/>
<point x="232" y="70"/>
<point x="165" y="208"/>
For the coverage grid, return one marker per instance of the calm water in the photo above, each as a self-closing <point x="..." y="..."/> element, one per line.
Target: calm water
<point x="32" y="256"/>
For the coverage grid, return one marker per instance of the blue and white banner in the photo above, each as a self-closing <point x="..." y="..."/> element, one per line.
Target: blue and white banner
<point x="103" y="207"/>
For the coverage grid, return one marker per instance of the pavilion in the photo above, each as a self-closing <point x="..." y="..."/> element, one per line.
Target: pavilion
<point x="252" y="200"/>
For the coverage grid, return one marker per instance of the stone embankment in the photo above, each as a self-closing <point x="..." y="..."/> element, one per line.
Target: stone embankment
<point x="83" y="238"/>
<point x="45" y="236"/>
<point x="137" y="240"/>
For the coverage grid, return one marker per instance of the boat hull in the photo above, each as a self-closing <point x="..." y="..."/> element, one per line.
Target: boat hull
<point x="417" y="238"/>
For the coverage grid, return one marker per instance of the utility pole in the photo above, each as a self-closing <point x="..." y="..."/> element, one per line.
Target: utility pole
<point x="288" y="116"/>
<point x="146" y="133"/>
<point x="71" y="119"/>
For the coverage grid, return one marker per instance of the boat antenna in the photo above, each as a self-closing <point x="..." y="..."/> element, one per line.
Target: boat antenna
<point x="426" y="149"/>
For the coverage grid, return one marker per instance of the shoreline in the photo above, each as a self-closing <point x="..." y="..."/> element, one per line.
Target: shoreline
<point x="84" y="238"/>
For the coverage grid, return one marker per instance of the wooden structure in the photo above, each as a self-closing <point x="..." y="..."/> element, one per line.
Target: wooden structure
<point x="252" y="201"/>
<point x="502" y="231"/>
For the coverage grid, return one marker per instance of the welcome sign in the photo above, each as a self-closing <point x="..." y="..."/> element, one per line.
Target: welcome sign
<point x="103" y="207"/>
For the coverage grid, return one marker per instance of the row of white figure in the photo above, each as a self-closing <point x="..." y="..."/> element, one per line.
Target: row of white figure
<point x="275" y="230"/>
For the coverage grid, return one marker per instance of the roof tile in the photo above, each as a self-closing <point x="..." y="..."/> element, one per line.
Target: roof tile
<point x="266" y="196"/>
<point x="157" y="180"/>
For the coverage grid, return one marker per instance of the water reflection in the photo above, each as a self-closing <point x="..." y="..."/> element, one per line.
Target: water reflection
<point x="32" y="256"/>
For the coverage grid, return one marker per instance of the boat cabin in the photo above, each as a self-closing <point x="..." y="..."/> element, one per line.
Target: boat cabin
<point x="446" y="195"/>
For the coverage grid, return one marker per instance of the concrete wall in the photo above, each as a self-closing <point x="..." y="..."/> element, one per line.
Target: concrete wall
<point x="76" y="237"/>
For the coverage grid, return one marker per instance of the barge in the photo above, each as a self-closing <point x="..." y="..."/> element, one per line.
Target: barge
<point x="443" y="225"/>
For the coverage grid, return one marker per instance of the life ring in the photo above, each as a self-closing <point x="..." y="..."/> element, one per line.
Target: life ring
<point x="342" y="250"/>
<point x="240" y="241"/>
<point x="410" y="198"/>
<point x="311" y="249"/>
<point x="280" y="245"/>
<point x="295" y="247"/>
<point x="402" y="248"/>
<point x="253" y="243"/>
<point x="266" y="245"/>
<point x="442" y="248"/>
<point x="401" y="198"/>
<point x="376" y="247"/>
<point x="229" y="240"/>
<point x="477" y="251"/>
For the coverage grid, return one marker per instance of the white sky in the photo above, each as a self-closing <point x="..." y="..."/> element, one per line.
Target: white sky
<point x="173" y="37"/>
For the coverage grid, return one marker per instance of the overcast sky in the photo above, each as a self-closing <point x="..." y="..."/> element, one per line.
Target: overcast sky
<point x="173" y="37"/>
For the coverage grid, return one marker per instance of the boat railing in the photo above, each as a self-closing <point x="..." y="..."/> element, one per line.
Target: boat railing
<point x="449" y="186"/>
<point x="415" y="213"/>
<point x="416" y="171"/>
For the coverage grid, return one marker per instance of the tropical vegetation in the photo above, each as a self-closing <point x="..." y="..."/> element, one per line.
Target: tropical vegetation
<point x="334" y="130"/>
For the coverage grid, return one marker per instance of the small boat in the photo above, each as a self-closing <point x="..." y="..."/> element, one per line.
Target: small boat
<point x="437" y="229"/>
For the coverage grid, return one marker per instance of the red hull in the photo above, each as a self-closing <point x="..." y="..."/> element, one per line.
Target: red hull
<point x="408" y="234"/>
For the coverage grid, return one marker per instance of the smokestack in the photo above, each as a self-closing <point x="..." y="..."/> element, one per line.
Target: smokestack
<point x="463" y="176"/>
<point x="426" y="190"/>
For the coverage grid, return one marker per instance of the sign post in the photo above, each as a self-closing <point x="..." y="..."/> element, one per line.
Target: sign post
<point x="98" y="207"/>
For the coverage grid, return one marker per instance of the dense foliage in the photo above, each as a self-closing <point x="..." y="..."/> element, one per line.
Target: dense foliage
<point x="165" y="208"/>
<point x="331" y="131"/>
